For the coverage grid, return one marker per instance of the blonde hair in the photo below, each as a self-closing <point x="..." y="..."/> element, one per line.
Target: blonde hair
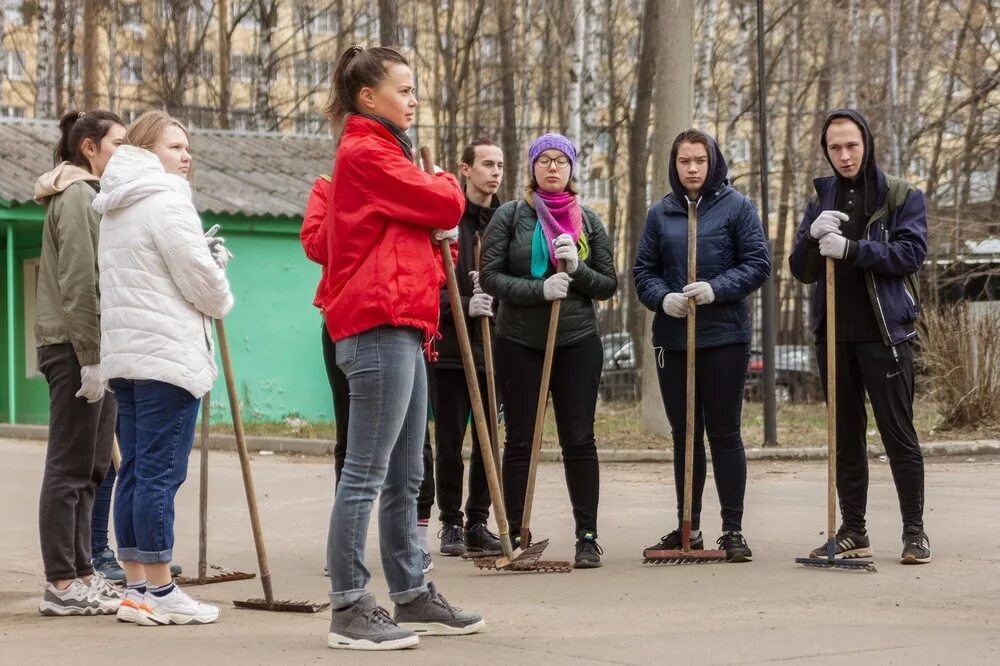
<point x="147" y="129"/>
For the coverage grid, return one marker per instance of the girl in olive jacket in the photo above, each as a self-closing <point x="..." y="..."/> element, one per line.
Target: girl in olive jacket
<point x="524" y="243"/>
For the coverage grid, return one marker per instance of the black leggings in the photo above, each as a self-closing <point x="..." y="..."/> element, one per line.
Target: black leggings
<point x="341" y="408"/>
<point x="720" y="373"/>
<point x="576" y="373"/>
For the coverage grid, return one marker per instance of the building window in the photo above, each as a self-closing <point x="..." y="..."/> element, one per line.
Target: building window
<point x="131" y="72"/>
<point x="310" y="124"/>
<point x="490" y="46"/>
<point x="319" y="70"/>
<point x="244" y="9"/>
<point x="13" y="62"/>
<point x="408" y="37"/>
<point x="12" y="111"/>
<point x="131" y="16"/>
<point x="241" y="119"/>
<point x="30" y="285"/>
<point x="241" y="67"/>
<point x="364" y="26"/>
<point x="322" y="22"/>
<point x="13" y="14"/>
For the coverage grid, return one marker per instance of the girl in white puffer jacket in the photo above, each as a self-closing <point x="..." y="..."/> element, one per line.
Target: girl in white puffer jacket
<point x="161" y="285"/>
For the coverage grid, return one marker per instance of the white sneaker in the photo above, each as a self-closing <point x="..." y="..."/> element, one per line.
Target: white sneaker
<point x="135" y="610"/>
<point x="179" y="608"/>
<point x="77" y="599"/>
<point x="104" y="587"/>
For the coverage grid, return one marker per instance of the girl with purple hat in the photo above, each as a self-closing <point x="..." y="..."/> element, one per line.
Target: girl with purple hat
<point x="524" y="243"/>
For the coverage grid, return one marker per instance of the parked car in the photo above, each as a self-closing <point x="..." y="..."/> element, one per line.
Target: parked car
<point x="796" y="374"/>
<point x="619" y="377"/>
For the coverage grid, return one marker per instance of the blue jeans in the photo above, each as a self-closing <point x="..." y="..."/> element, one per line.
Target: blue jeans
<point x="101" y="513"/>
<point x="156" y="424"/>
<point x="385" y="440"/>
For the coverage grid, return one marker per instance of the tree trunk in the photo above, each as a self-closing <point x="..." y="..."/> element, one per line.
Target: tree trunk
<point x="511" y="150"/>
<point x="265" y="116"/>
<point x="91" y="44"/>
<point x="225" y="51"/>
<point x="934" y="171"/>
<point x="45" y="45"/>
<point x="388" y="22"/>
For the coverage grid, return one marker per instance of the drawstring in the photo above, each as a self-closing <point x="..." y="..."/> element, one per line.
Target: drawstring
<point x="659" y="357"/>
<point x="429" y="346"/>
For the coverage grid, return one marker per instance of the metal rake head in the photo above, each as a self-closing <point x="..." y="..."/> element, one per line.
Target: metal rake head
<point x="683" y="556"/>
<point x="827" y="563"/>
<point x="281" y="606"/>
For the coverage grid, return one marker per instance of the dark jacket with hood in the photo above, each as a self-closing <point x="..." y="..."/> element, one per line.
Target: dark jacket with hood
<point x="474" y="221"/>
<point x="891" y="249"/>
<point x="523" y="312"/>
<point x="733" y="257"/>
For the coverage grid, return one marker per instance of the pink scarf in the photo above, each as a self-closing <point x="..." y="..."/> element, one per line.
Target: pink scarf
<point x="559" y="213"/>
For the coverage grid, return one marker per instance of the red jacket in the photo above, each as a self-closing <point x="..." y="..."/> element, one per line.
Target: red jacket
<point x="313" y="232"/>
<point x="388" y="270"/>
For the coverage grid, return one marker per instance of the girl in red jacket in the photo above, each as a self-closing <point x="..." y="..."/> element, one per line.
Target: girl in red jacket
<point x="381" y="300"/>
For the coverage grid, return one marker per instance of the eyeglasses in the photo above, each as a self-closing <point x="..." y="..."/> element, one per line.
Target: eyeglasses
<point x="545" y="161"/>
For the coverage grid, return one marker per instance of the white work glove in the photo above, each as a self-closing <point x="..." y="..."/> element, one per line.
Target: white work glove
<point x="834" y="245"/>
<point x="92" y="383"/>
<point x="217" y="246"/>
<point x="827" y="222"/>
<point x="701" y="292"/>
<point x="450" y="235"/>
<point x="481" y="305"/>
<point x="675" y="304"/>
<point x="474" y="276"/>
<point x="566" y="250"/>
<point x="556" y="286"/>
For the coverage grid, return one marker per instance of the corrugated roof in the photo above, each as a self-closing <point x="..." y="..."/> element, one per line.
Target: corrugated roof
<point x="238" y="173"/>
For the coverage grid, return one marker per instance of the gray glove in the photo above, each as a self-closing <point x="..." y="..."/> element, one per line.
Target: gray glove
<point x="92" y="383"/>
<point x="556" y="286"/>
<point x="450" y="235"/>
<point x="834" y="245"/>
<point x="827" y="222"/>
<point x="566" y="250"/>
<point x="481" y="305"/>
<point x="701" y="292"/>
<point x="675" y="304"/>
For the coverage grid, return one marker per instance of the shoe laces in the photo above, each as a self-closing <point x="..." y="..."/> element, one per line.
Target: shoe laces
<point x="589" y="545"/>
<point x="439" y="599"/>
<point x="451" y="531"/>
<point x="918" y="539"/>
<point x="380" y="617"/>
<point x="481" y="527"/>
<point x="730" y="539"/>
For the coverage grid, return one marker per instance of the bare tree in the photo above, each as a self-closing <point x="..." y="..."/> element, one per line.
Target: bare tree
<point x="44" y="81"/>
<point x="388" y="22"/>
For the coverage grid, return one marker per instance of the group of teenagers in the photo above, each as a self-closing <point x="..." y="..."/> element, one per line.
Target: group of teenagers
<point x="129" y="284"/>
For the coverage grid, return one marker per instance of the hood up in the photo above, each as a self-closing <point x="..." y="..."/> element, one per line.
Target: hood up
<point x="718" y="172"/>
<point x="868" y="174"/>
<point x="133" y="174"/>
<point x="65" y="174"/>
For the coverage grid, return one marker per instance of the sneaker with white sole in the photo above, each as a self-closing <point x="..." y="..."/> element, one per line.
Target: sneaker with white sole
<point x="103" y="587"/>
<point x="77" y="599"/>
<point x="364" y="625"/>
<point x="430" y="614"/>
<point x="178" y="608"/>
<point x="135" y="610"/>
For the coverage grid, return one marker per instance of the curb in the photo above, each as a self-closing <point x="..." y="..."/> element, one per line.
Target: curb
<point x="324" y="447"/>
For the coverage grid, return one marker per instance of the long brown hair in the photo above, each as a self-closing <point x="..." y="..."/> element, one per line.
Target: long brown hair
<point x="357" y="68"/>
<point x="75" y="127"/>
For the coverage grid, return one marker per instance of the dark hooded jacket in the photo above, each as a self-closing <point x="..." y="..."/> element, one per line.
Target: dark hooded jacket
<point x="474" y="221"/>
<point x="890" y="251"/>
<point x="733" y="257"/>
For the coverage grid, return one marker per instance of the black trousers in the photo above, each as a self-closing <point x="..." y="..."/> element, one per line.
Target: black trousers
<point x="81" y="435"/>
<point x="720" y="373"/>
<point x="576" y="373"/>
<point x="871" y="367"/>
<point x="452" y="410"/>
<point x="341" y="408"/>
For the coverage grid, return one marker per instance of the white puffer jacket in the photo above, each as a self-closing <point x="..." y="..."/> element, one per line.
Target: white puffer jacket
<point x="160" y="287"/>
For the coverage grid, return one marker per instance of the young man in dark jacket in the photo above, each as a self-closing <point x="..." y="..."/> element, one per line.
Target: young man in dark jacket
<point x="875" y="227"/>
<point x="482" y="171"/>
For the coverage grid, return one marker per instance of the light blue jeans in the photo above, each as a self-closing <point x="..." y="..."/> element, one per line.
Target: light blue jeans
<point x="385" y="439"/>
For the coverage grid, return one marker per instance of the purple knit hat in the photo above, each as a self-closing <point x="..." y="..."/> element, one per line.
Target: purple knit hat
<point x="551" y="141"/>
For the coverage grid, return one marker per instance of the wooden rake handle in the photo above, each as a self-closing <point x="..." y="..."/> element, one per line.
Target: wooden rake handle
<point x="691" y="348"/>
<point x="491" y="388"/>
<point x="475" y="397"/>
<point x="831" y="398"/>
<point x="543" y="397"/>
<point x="241" y="447"/>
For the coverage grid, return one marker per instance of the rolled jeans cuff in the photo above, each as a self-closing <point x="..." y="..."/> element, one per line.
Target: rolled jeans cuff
<point x="128" y="554"/>
<point x="339" y="600"/>
<point x="406" y="596"/>
<point x="154" y="557"/>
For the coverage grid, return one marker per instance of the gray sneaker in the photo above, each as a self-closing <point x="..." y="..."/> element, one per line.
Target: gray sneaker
<point x="431" y="615"/>
<point x="77" y="599"/>
<point x="364" y="625"/>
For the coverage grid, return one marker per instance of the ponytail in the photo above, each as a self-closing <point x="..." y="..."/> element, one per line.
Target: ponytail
<point x="357" y="68"/>
<point x="75" y="127"/>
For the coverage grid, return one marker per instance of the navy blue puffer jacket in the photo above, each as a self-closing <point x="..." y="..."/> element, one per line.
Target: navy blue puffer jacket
<point x="733" y="257"/>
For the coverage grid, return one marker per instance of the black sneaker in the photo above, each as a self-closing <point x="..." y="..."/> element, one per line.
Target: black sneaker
<point x="850" y="545"/>
<point x="916" y="546"/>
<point x="588" y="553"/>
<point x="672" y="541"/>
<point x="735" y="546"/>
<point x="452" y="540"/>
<point x="480" y="541"/>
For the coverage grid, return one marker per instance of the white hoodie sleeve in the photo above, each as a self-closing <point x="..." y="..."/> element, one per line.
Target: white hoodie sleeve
<point x="178" y="237"/>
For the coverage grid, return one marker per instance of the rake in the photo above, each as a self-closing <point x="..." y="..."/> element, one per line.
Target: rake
<point x="686" y="555"/>
<point x="225" y="575"/>
<point x="527" y="560"/>
<point x="831" y="561"/>
<point x="267" y="603"/>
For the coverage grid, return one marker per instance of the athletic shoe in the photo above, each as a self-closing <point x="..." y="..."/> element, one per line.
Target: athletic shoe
<point x="103" y="588"/>
<point x="107" y="565"/>
<point x="452" y="540"/>
<point x="364" y="625"/>
<point x="426" y="563"/>
<point x="850" y="545"/>
<point x="77" y="599"/>
<point x="480" y="541"/>
<point x="135" y="610"/>
<point x="178" y="608"/>
<point x="672" y="541"/>
<point x="916" y="546"/>
<point x="588" y="553"/>
<point x="736" y="547"/>
<point x="430" y="614"/>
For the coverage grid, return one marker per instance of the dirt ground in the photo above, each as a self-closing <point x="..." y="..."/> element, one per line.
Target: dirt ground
<point x="770" y="610"/>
